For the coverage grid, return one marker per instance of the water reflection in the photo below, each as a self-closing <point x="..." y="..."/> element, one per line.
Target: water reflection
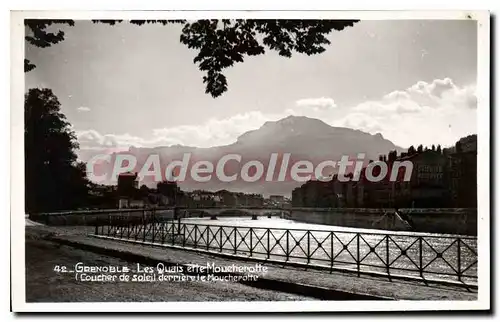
<point x="280" y="223"/>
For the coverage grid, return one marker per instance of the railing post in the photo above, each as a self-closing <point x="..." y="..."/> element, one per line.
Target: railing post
<point x="308" y="246"/>
<point x="163" y="233"/>
<point x="287" y="245"/>
<point x="208" y="237"/>
<point x="153" y="229"/>
<point x="96" y="232"/>
<point x="459" y="261"/>
<point x="220" y="239"/>
<point x="251" y="243"/>
<point x="184" y="235"/>
<point x="173" y="233"/>
<point x="357" y="254"/>
<point x="420" y="256"/>
<point x="109" y="224"/>
<point x="268" y="244"/>
<point x="235" y="241"/>
<point x="144" y="231"/>
<point x="195" y="236"/>
<point x="387" y="256"/>
<point x="331" y="249"/>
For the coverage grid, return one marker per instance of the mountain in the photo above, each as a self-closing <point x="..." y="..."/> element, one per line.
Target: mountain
<point x="304" y="138"/>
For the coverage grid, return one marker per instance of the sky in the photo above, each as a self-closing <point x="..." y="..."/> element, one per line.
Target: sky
<point x="412" y="81"/>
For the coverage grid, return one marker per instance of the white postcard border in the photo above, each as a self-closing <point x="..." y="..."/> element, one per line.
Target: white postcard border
<point x="17" y="168"/>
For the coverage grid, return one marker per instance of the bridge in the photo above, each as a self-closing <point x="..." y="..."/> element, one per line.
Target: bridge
<point x="214" y="212"/>
<point x="90" y="217"/>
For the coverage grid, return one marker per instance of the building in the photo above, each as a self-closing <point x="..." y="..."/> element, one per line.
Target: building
<point x="224" y="198"/>
<point x="369" y="194"/>
<point x="315" y="193"/>
<point x="428" y="186"/>
<point x="227" y="198"/>
<point x="127" y="185"/>
<point x="429" y="183"/>
<point x="170" y="190"/>
<point x="276" y="200"/>
<point x="202" y="198"/>
<point x="127" y="189"/>
<point x="249" y="200"/>
<point x="127" y="203"/>
<point x="343" y="191"/>
<point x="463" y="173"/>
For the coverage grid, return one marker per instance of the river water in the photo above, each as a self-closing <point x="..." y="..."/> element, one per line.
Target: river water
<point x="279" y="223"/>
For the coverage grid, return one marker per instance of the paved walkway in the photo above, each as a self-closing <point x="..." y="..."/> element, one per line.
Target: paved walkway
<point x="44" y="284"/>
<point x="344" y="282"/>
<point x="29" y="222"/>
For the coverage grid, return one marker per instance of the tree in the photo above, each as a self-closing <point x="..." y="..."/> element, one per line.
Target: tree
<point x="393" y="156"/>
<point x="433" y="148"/>
<point x="222" y="43"/>
<point x="411" y="150"/>
<point x="420" y="148"/>
<point x="40" y="37"/>
<point x="438" y="149"/>
<point x="144" y="191"/>
<point x="54" y="180"/>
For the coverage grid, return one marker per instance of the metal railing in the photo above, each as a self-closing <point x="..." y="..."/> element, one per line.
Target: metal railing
<point x="423" y="256"/>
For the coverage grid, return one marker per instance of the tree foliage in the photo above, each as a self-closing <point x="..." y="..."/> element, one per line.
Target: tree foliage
<point x="222" y="43"/>
<point x="37" y="35"/>
<point x="54" y="180"/>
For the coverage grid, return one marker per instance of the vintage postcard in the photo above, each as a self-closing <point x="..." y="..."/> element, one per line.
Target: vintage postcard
<point x="278" y="161"/>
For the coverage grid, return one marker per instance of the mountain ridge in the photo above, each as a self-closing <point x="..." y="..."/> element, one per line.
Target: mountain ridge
<point x="304" y="138"/>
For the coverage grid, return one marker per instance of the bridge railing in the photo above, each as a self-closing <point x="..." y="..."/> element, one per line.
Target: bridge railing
<point x="428" y="257"/>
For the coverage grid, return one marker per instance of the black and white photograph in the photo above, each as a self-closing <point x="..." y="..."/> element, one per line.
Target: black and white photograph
<point x="250" y="161"/>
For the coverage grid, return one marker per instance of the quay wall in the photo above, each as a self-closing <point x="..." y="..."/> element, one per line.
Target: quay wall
<point x="93" y="217"/>
<point x="460" y="221"/>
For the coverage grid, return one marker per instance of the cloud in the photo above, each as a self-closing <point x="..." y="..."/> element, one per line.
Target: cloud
<point x="438" y="94"/>
<point x="213" y="132"/>
<point x="83" y="109"/>
<point x="359" y="121"/>
<point x="317" y="104"/>
<point x="437" y="112"/>
<point x="425" y="113"/>
<point x="91" y="139"/>
<point x="216" y="131"/>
